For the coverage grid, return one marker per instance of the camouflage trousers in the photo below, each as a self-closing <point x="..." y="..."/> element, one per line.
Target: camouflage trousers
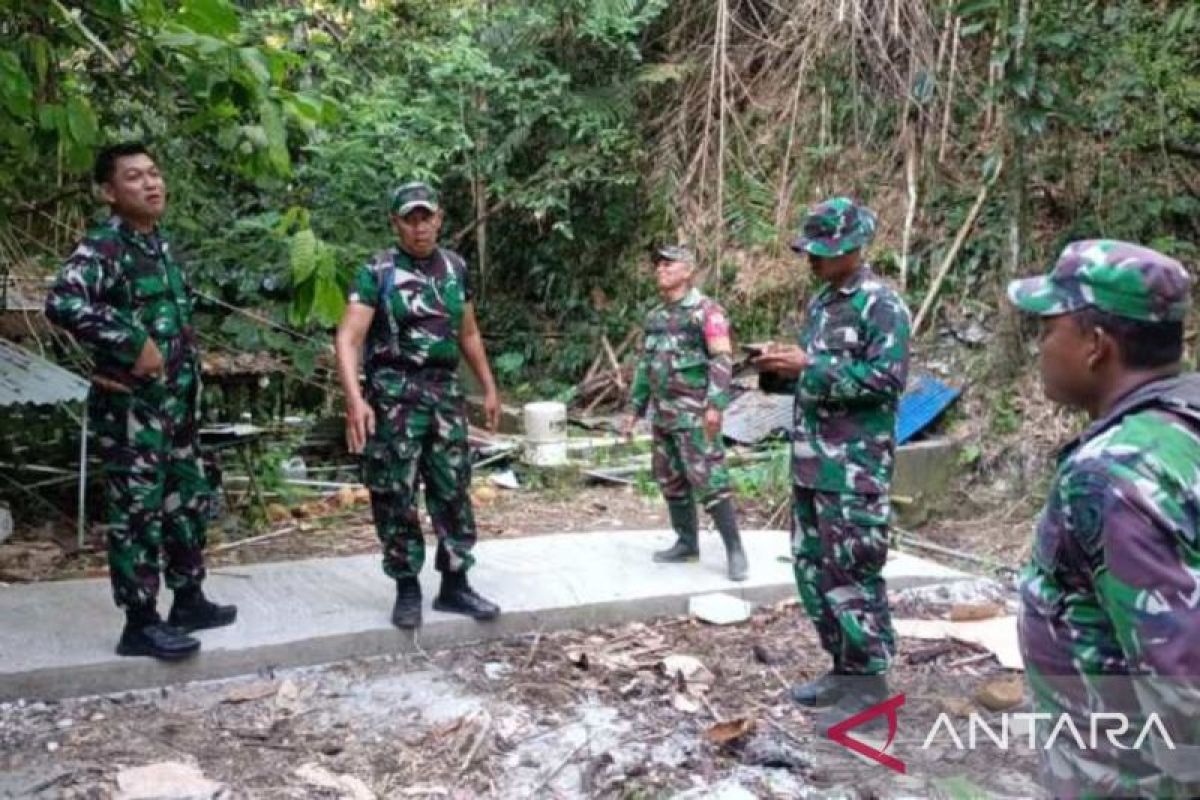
<point x="421" y="438"/>
<point x="840" y="543"/>
<point x="688" y="466"/>
<point x="154" y="490"/>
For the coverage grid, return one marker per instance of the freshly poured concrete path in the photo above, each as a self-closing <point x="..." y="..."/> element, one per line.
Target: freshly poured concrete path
<point x="57" y="639"/>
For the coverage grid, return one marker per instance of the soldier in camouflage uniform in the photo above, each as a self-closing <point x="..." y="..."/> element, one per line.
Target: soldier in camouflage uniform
<point x="124" y="297"/>
<point x="852" y="364"/>
<point x="412" y="426"/>
<point x="684" y="374"/>
<point x="1110" y="601"/>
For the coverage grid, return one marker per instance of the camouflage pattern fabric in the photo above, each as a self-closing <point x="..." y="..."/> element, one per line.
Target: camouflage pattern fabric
<point x="1117" y="277"/>
<point x="411" y="360"/>
<point x="835" y="227"/>
<point x="116" y="290"/>
<point x="840" y="544"/>
<point x="677" y="379"/>
<point x="688" y="466"/>
<point x="414" y="195"/>
<point x="425" y="299"/>
<point x="1110" y="602"/>
<point x="845" y="413"/>
<point x="421" y="435"/>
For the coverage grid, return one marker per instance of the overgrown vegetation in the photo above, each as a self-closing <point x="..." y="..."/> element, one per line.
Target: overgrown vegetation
<point x="567" y="135"/>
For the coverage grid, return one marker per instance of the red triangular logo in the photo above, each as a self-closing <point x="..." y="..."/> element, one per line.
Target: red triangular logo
<point x="838" y="732"/>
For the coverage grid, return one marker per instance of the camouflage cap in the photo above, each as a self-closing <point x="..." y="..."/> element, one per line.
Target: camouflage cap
<point x="414" y="195"/>
<point x="835" y="227"/>
<point x="1124" y="279"/>
<point x="674" y="252"/>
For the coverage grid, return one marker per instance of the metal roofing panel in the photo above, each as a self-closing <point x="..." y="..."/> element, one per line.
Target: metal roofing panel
<point x="753" y="416"/>
<point x="27" y="378"/>
<point x="921" y="405"/>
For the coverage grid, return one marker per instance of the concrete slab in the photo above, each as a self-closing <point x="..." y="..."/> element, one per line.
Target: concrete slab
<point x="57" y="639"/>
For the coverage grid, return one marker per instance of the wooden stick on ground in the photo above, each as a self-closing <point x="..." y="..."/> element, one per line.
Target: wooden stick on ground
<point x="612" y="359"/>
<point x="597" y="400"/>
<point x="254" y="539"/>
<point x="948" y="261"/>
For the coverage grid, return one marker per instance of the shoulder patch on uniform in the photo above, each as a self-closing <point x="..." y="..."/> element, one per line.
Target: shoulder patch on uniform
<point x="716" y="324"/>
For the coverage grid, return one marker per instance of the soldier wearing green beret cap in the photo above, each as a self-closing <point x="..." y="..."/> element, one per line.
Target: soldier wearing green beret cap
<point x="1110" y="599"/>
<point x="851" y="365"/>
<point x="683" y="381"/>
<point x="411" y="313"/>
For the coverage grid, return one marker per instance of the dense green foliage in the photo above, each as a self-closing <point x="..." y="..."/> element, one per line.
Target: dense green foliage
<point x="566" y="135"/>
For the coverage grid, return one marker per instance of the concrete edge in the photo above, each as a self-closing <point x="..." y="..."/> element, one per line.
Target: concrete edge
<point x="132" y="674"/>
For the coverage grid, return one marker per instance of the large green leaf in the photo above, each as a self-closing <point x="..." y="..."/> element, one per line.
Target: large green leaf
<point x="303" y="255"/>
<point x="39" y="49"/>
<point x="276" y="133"/>
<point x="209" y="17"/>
<point x="328" y="302"/>
<point x="252" y="59"/>
<point x="16" y="93"/>
<point x="81" y="122"/>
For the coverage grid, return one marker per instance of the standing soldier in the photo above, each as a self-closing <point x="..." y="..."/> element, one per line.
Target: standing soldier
<point x="123" y="295"/>
<point x="685" y="372"/>
<point x="1110" y="600"/>
<point x="851" y="364"/>
<point x="413" y="420"/>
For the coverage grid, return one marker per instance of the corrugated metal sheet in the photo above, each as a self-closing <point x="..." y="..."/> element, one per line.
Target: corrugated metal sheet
<point x="27" y="378"/>
<point x="754" y="416"/>
<point x="924" y="402"/>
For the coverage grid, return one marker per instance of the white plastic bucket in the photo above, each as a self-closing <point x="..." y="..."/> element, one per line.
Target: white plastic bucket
<point x="546" y="434"/>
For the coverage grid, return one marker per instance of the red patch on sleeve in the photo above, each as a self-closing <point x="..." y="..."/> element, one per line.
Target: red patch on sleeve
<point x="715" y="325"/>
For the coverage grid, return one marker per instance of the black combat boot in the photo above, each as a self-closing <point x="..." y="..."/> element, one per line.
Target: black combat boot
<point x="687" y="529"/>
<point x="457" y="597"/>
<point x="192" y="611"/>
<point x="824" y="690"/>
<point x="726" y="521"/>
<point x="146" y="634"/>
<point x="859" y="692"/>
<point x="406" y="613"/>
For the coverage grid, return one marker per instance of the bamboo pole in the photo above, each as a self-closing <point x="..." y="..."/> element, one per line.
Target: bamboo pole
<point x="961" y="237"/>
<point x="949" y="91"/>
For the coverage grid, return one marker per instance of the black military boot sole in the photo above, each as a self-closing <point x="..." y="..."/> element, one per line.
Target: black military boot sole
<point x="457" y="597"/>
<point x="160" y="641"/>
<point x="679" y="553"/>
<point x="819" y="692"/>
<point x="469" y="604"/>
<point x="201" y="615"/>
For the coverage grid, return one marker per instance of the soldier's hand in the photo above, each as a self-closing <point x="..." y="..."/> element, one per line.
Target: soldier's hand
<point x="491" y="411"/>
<point x="784" y="359"/>
<point x="149" y="363"/>
<point x="360" y="424"/>
<point x="627" y="426"/>
<point x="712" y="423"/>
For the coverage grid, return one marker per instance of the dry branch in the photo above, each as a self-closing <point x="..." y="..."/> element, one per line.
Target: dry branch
<point x="948" y="261"/>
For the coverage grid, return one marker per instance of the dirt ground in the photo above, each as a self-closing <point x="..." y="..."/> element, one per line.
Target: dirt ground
<point x="597" y="713"/>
